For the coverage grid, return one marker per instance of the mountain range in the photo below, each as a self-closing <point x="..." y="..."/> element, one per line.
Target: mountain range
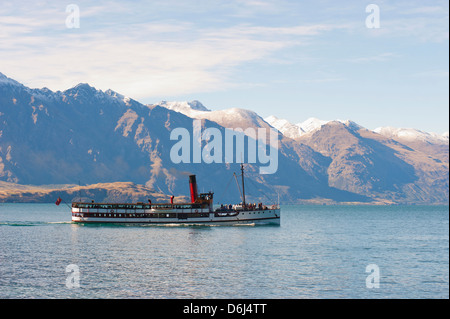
<point x="52" y="141"/>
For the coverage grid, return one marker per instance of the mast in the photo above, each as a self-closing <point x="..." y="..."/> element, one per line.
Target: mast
<point x="243" y="189"/>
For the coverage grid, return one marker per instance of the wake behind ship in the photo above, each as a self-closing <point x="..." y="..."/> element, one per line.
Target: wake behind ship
<point x="199" y="210"/>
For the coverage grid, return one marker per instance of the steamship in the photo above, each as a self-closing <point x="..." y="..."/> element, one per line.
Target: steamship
<point x="199" y="210"/>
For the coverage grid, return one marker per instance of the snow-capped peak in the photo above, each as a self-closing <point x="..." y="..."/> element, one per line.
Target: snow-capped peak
<point x="187" y="108"/>
<point x="197" y="105"/>
<point x="114" y="94"/>
<point x="351" y="124"/>
<point x="311" y="124"/>
<point x="81" y="90"/>
<point x="411" y="134"/>
<point x="295" y="130"/>
<point x="285" y="127"/>
<point x="271" y="119"/>
<point x="5" y="80"/>
<point x="229" y="118"/>
<point x="308" y="126"/>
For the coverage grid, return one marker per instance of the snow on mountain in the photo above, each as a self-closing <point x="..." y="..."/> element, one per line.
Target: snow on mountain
<point x="4" y="80"/>
<point x="308" y="126"/>
<point x="411" y="134"/>
<point x="196" y="105"/>
<point x="83" y="92"/>
<point x="285" y="127"/>
<point x="236" y="118"/>
<point x="191" y="109"/>
<point x="229" y="118"/>
<point x="351" y="124"/>
<point x="311" y="124"/>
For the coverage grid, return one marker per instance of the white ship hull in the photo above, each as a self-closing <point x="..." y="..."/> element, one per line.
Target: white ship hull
<point x="175" y="216"/>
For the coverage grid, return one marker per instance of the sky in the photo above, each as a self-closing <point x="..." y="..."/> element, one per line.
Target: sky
<point x="288" y="58"/>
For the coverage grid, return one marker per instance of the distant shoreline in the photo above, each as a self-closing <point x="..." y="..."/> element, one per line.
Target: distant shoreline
<point x="129" y="192"/>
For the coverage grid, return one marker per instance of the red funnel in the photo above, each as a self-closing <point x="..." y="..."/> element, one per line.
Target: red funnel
<point x="193" y="188"/>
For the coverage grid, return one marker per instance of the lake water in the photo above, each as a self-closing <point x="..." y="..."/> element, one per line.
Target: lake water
<point x="316" y="252"/>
